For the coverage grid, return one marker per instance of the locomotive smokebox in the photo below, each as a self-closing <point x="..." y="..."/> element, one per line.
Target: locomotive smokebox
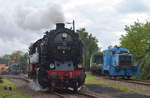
<point x="60" y="25"/>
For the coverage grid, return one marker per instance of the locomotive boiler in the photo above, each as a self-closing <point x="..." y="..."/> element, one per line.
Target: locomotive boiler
<point x="56" y="59"/>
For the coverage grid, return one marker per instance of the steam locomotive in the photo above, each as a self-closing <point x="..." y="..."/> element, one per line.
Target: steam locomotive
<point x="55" y="60"/>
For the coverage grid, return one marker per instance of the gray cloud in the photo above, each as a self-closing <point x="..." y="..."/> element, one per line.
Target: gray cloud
<point x="106" y="20"/>
<point x="23" y="21"/>
<point x="21" y="24"/>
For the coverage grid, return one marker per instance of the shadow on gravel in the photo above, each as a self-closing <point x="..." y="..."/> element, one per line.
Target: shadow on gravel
<point x="114" y="92"/>
<point x="65" y="91"/>
<point x="102" y="89"/>
<point x="132" y="96"/>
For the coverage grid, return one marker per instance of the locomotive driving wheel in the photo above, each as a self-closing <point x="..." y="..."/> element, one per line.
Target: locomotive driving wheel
<point x="42" y="78"/>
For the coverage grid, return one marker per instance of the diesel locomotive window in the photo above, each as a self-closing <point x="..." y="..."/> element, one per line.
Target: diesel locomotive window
<point x="98" y="59"/>
<point x="123" y="52"/>
<point x="113" y="52"/>
<point x="125" y="60"/>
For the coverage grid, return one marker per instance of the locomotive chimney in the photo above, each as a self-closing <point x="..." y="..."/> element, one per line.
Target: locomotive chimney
<point x="60" y="25"/>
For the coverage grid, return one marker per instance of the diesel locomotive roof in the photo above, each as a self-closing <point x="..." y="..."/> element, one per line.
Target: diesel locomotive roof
<point x="117" y="50"/>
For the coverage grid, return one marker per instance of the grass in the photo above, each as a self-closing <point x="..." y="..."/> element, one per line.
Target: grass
<point x="10" y="94"/>
<point x="90" y="79"/>
<point x="8" y="83"/>
<point x="123" y="89"/>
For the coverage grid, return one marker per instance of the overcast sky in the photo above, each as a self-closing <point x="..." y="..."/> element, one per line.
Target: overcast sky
<point x="24" y="21"/>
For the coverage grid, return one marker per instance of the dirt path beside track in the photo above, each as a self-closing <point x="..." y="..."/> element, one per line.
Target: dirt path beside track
<point x="24" y="87"/>
<point x="143" y="89"/>
<point x="100" y="90"/>
<point x="117" y="89"/>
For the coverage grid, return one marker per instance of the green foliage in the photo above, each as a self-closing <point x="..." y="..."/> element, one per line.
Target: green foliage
<point x="145" y="66"/>
<point x="8" y="83"/>
<point x="98" y="53"/>
<point x="16" y="58"/>
<point x="137" y="38"/>
<point x="23" y="62"/>
<point x="5" y="59"/>
<point x="10" y="94"/>
<point x="90" y="79"/>
<point x="90" y="46"/>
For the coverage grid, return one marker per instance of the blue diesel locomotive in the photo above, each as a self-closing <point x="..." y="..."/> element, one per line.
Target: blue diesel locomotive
<point x="116" y="62"/>
<point x="119" y="62"/>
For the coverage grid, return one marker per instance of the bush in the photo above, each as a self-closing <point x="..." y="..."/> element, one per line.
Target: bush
<point x="145" y="66"/>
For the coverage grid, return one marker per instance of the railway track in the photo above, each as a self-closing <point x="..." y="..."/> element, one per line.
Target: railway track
<point x="88" y="95"/>
<point x="71" y="94"/>
<point x="137" y="82"/>
<point x="79" y="95"/>
<point x="16" y="77"/>
<point x="59" y="93"/>
<point x="141" y="82"/>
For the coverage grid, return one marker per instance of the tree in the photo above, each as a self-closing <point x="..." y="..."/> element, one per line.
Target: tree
<point x="90" y="46"/>
<point x="145" y="66"/>
<point x="23" y="62"/>
<point x="5" y="59"/>
<point x="136" y="39"/>
<point x="15" y="57"/>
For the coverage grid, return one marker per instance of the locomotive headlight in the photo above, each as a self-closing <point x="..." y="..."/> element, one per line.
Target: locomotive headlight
<point x="52" y="66"/>
<point x="64" y="35"/>
<point x="79" y="66"/>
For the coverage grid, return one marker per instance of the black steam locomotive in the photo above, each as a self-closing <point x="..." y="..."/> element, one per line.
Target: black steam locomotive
<point x="55" y="60"/>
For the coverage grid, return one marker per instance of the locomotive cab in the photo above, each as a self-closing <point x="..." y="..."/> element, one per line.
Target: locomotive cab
<point x="121" y="58"/>
<point x="124" y="60"/>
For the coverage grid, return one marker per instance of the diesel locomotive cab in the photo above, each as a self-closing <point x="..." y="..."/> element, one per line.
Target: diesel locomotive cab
<point x="124" y="60"/>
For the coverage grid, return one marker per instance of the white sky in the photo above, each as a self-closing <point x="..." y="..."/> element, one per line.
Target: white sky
<point x="23" y="21"/>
